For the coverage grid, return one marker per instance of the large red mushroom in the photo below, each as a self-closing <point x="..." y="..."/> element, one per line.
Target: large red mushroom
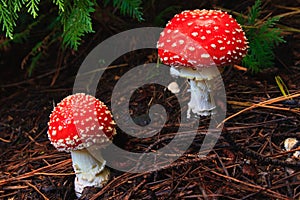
<point x="194" y="43"/>
<point x="79" y="122"/>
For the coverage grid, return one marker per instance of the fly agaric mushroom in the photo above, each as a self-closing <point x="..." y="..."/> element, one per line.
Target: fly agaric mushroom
<point x="79" y="122"/>
<point x="194" y="43"/>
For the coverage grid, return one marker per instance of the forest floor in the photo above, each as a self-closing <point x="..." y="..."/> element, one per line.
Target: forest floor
<point x="247" y="162"/>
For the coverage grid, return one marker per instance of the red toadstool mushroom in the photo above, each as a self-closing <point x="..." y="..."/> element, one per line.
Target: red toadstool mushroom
<point x="193" y="42"/>
<point x="78" y="122"/>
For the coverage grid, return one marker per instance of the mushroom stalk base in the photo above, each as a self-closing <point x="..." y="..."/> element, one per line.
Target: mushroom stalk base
<point x="201" y="83"/>
<point x="89" y="171"/>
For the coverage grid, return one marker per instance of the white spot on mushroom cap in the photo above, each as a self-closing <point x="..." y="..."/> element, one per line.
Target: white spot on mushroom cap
<point x="195" y="34"/>
<point x="191" y="48"/>
<point x="205" y="55"/>
<point x="53" y="133"/>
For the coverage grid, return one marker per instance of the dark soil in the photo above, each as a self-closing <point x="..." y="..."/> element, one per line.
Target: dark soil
<point x="248" y="161"/>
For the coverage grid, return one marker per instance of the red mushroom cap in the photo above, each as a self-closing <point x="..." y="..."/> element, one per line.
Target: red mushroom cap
<point x="79" y="121"/>
<point x="202" y="38"/>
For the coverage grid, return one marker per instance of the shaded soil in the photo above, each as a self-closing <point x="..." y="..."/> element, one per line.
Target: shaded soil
<point x="248" y="161"/>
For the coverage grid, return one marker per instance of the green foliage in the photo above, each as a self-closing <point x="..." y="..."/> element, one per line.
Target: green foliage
<point x="9" y="13"/>
<point x="34" y="62"/>
<point x="32" y="6"/>
<point x="76" y="20"/>
<point x="19" y="37"/>
<point x="8" y="16"/>
<point x="60" y="4"/>
<point x="75" y="16"/>
<point x="254" y="12"/>
<point x="263" y="37"/>
<point x="67" y="21"/>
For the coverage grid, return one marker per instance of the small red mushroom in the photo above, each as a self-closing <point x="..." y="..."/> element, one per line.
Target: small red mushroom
<point x="79" y="122"/>
<point x="194" y="43"/>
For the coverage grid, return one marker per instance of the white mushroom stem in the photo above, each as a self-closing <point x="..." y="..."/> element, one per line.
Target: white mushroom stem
<point x="89" y="171"/>
<point x="201" y="85"/>
<point x="200" y="103"/>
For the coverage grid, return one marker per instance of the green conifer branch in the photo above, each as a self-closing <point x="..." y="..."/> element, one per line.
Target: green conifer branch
<point x="263" y="37"/>
<point x="16" y="5"/>
<point x="254" y="12"/>
<point x="7" y="18"/>
<point x="75" y="16"/>
<point x="60" y="4"/>
<point x="32" y="6"/>
<point x="76" y="20"/>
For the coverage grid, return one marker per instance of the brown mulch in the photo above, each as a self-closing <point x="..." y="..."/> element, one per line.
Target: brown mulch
<point x="248" y="161"/>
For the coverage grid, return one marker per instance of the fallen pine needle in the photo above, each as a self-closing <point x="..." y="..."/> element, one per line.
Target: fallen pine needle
<point x="54" y="174"/>
<point x="16" y="187"/>
<point x="35" y="172"/>
<point x="265" y="104"/>
<point x="4" y="140"/>
<point x="246" y="104"/>
<point x="240" y="68"/>
<point x="257" y="187"/>
<point x="36" y="189"/>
